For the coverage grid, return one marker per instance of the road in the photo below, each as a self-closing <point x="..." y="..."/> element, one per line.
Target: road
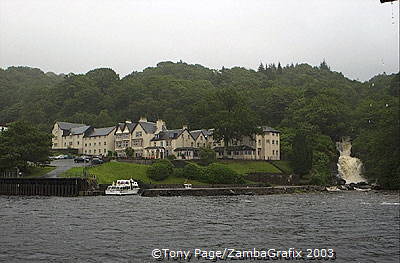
<point x="62" y="166"/>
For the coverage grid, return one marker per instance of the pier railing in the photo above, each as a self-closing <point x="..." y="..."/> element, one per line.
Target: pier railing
<point x="46" y="186"/>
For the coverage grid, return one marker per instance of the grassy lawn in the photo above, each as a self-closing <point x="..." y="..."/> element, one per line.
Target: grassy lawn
<point x="245" y="167"/>
<point x="39" y="171"/>
<point x="284" y="166"/>
<point x="112" y="171"/>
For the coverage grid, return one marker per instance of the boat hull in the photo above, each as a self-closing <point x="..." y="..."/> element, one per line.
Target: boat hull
<point x="122" y="192"/>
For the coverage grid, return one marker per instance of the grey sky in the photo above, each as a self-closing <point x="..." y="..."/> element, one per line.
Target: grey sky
<point x="357" y="37"/>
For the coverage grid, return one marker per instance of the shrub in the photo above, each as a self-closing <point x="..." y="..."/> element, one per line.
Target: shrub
<point x="178" y="172"/>
<point x="171" y="157"/>
<point x="221" y="174"/>
<point x="192" y="171"/>
<point x="166" y="162"/>
<point x="207" y="156"/>
<point x="160" y="170"/>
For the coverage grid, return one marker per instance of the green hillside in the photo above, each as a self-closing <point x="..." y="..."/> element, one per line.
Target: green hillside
<point x="312" y="106"/>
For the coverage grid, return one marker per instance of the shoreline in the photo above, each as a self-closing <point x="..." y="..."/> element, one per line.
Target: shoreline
<point x="231" y="191"/>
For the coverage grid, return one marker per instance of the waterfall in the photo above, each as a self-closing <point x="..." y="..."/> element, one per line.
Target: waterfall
<point x="350" y="168"/>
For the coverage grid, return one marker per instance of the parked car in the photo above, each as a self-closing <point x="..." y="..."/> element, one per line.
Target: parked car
<point x="81" y="159"/>
<point x="96" y="161"/>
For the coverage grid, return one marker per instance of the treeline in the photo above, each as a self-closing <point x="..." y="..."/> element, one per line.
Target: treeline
<point x="312" y="104"/>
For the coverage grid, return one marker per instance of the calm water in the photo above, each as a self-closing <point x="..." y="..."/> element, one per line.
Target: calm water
<point x="360" y="227"/>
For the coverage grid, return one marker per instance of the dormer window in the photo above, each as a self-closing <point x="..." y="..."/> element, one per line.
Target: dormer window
<point x="139" y="134"/>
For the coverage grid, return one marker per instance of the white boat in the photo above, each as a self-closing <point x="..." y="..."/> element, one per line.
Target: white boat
<point x="362" y="189"/>
<point x="332" y="189"/>
<point x="187" y="186"/>
<point x="123" y="187"/>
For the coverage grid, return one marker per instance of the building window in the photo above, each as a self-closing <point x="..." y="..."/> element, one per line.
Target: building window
<point x="94" y="144"/>
<point x="259" y="141"/>
<point x="166" y="143"/>
<point x="273" y="142"/>
<point x="267" y="141"/>
<point x="85" y="144"/>
<point x="273" y="152"/>
<point x="85" y="151"/>
<point x="277" y="142"/>
<point x="191" y="144"/>
<point x="105" y="150"/>
<point x="198" y="144"/>
<point x="161" y="144"/>
<point x="90" y="151"/>
<point x="94" y="150"/>
<point x="139" y="134"/>
<point x="90" y="144"/>
<point x="105" y="143"/>
<point x="78" y="142"/>
<point x="137" y="142"/>
<point x="70" y="143"/>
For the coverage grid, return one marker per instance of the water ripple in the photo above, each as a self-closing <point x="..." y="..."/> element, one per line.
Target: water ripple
<point x="361" y="227"/>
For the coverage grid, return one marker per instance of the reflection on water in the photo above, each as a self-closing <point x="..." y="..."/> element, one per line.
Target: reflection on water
<point x="361" y="227"/>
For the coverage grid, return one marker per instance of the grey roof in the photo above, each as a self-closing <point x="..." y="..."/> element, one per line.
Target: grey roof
<point x="79" y="130"/>
<point x="130" y="125"/>
<point x="101" y="131"/>
<point x="121" y="125"/>
<point x="205" y="132"/>
<point x="186" y="149"/>
<point x="69" y="125"/>
<point x="234" y="148"/>
<point x="269" y="129"/>
<point x="196" y="134"/>
<point x="148" y="127"/>
<point x="167" y="134"/>
<point x="154" y="147"/>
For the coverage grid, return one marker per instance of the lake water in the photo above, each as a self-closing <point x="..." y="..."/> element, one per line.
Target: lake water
<point x="358" y="226"/>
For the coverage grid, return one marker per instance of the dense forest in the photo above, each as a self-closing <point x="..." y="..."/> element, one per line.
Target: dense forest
<point x="313" y="107"/>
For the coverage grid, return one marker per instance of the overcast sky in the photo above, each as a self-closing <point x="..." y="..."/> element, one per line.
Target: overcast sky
<point x="357" y="37"/>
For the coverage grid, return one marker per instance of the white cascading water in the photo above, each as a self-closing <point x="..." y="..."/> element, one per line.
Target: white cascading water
<point x="350" y="168"/>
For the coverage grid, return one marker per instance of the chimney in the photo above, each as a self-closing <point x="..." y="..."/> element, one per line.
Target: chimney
<point x="160" y="125"/>
<point x="143" y="119"/>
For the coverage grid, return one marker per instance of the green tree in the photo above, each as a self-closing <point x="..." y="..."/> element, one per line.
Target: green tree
<point x="302" y="155"/>
<point x="279" y="70"/>
<point x="232" y="119"/>
<point x="23" y="143"/>
<point x="129" y="152"/>
<point x="324" y="66"/>
<point x="261" y="68"/>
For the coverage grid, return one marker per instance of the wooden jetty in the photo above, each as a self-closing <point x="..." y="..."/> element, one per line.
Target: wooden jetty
<point x="47" y="186"/>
